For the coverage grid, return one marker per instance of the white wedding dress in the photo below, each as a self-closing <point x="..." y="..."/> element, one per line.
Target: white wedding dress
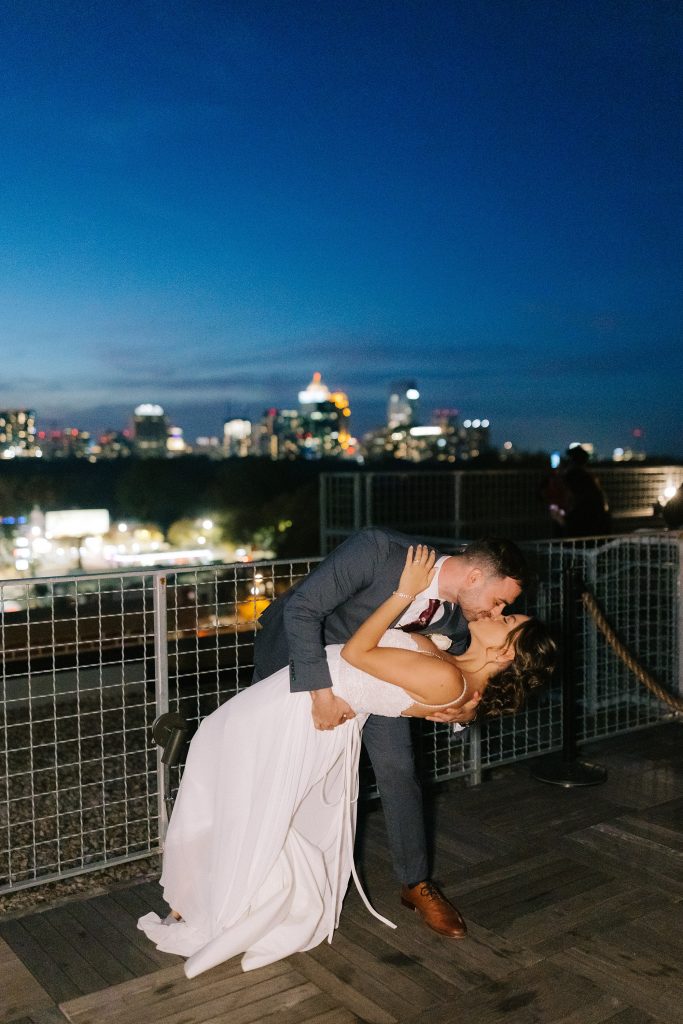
<point x="259" y="848"/>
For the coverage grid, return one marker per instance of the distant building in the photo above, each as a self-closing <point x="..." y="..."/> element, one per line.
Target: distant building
<point x="314" y="393"/>
<point x="434" y="442"/>
<point x="150" y="432"/>
<point x="175" y="442"/>
<point x="264" y="437"/>
<point x="237" y="437"/>
<point x="317" y="429"/>
<point x="113" y="444"/>
<point x="444" y="440"/>
<point x="280" y="434"/>
<point x="475" y="438"/>
<point x="18" y="434"/>
<point x="323" y="422"/>
<point x="210" y="446"/>
<point x="448" y="445"/>
<point x="402" y="407"/>
<point x="289" y="431"/>
<point x="67" y="443"/>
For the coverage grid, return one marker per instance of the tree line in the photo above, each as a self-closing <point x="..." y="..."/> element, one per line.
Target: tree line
<point x="252" y="498"/>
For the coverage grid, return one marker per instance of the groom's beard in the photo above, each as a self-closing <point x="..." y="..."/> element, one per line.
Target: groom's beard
<point x="472" y="606"/>
<point x="473" y="615"/>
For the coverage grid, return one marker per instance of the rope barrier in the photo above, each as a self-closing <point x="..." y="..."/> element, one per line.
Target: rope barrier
<point x="594" y="610"/>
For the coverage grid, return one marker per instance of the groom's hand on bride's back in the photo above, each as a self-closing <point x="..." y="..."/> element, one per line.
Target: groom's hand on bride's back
<point x="328" y="710"/>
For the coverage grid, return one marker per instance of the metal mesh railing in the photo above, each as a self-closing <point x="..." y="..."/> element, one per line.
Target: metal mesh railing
<point x="637" y="580"/>
<point x="89" y="663"/>
<point x="475" y="503"/>
<point x="212" y="618"/>
<point x="77" y="777"/>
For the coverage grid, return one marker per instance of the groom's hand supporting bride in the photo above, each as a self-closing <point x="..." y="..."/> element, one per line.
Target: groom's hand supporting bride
<point x="462" y="715"/>
<point x="328" y="710"/>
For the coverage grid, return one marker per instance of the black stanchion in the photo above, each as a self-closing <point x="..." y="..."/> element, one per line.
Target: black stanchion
<point x="169" y="731"/>
<point x="567" y="769"/>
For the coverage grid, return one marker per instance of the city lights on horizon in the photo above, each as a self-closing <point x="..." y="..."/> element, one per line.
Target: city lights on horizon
<point x="319" y="426"/>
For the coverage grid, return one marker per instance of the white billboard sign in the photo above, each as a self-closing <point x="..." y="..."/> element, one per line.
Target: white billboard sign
<point x="77" y="522"/>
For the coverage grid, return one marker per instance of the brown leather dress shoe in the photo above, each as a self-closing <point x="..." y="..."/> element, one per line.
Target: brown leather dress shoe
<point x="434" y="909"/>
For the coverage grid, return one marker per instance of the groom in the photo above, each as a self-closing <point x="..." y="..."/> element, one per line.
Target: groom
<point x="327" y="607"/>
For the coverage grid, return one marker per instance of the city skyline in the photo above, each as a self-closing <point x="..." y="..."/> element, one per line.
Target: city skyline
<point x="404" y="409"/>
<point x="205" y="203"/>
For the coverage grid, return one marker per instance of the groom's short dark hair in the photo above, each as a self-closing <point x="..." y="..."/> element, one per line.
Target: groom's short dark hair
<point x="499" y="558"/>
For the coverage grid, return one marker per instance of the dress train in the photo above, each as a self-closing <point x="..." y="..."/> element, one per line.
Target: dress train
<point x="259" y="848"/>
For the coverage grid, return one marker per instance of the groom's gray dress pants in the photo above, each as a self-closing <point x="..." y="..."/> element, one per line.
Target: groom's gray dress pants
<point x="389" y="746"/>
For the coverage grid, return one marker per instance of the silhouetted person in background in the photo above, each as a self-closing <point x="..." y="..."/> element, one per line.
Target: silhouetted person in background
<point x="583" y="503"/>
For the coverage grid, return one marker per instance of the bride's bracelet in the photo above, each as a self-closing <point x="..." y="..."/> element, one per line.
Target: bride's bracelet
<point x="399" y="593"/>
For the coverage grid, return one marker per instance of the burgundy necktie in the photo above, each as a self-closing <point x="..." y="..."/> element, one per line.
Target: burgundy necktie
<point x="424" y="618"/>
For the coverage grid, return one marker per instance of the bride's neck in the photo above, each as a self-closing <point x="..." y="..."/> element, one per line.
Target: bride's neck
<point x="474" y="665"/>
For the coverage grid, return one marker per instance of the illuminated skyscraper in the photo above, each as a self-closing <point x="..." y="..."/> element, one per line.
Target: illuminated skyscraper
<point x="175" y="442"/>
<point x="444" y="440"/>
<point x="318" y="428"/>
<point x="237" y="437"/>
<point x="402" y="408"/>
<point x="150" y="432"/>
<point x="324" y="420"/>
<point x="476" y="438"/>
<point x="313" y="394"/>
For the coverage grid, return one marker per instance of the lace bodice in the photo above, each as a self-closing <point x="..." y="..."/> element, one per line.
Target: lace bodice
<point x="365" y="693"/>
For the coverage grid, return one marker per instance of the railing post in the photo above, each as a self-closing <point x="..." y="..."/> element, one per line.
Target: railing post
<point x="591" y="633"/>
<point x="369" y="480"/>
<point x="357" y="508"/>
<point x="161" y="697"/>
<point x="457" y="502"/>
<point x="571" y="588"/>
<point x="566" y="769"/>
<point x="679" y="598"/>
<point x="322" y="500"/>
<point x="474" y="736"/>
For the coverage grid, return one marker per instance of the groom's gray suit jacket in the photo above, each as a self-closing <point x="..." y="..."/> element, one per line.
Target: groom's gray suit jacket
<point x="331" y="603"/>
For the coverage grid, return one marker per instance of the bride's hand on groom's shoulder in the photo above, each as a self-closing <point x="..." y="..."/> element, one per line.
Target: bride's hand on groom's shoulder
<point x="418" y="570"/>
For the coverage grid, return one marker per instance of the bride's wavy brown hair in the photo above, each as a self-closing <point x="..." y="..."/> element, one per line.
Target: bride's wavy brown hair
<point x="532" y="666"/>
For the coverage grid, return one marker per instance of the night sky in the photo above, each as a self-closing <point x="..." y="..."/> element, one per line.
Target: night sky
<point x="203" y="202"/>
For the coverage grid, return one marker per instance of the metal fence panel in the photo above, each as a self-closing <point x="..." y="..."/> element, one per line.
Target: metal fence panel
<point x="636" y="581"/>
<point x="78" y="775"/>
<point x="473" y="503"/>
<point x="90" y="661"/>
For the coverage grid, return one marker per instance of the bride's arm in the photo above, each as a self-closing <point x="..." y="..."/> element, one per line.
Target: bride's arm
<point x="427" y="679"/>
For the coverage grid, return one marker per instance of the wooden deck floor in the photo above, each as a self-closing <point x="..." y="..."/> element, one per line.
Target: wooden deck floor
<point x="574" y="899"/>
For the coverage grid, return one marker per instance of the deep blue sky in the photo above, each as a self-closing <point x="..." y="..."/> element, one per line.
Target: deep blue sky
<point x="203" y="202"/>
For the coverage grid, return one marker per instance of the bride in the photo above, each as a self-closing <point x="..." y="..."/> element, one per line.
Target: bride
<point x="259" y="848"/>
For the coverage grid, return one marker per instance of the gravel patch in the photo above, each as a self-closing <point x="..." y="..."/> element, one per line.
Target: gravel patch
<point x="78" y="788"/>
